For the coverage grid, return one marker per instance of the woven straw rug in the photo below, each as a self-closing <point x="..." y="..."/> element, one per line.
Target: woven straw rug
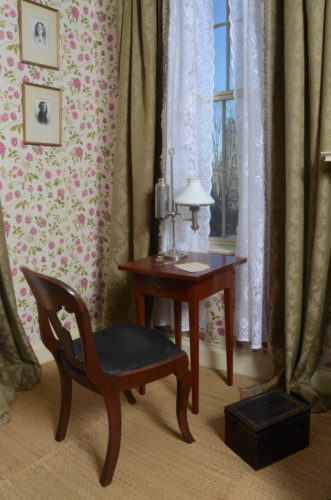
<point x="154" y="462"/>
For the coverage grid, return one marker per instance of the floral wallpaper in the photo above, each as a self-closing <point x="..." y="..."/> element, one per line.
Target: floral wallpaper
<point x="56" y="200"/>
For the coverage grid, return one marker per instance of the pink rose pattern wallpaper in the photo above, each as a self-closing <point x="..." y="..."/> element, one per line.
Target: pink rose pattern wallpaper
<point x="56" y="200"/>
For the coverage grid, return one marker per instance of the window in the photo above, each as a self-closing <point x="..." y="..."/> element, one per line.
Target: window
<point x="224" y="213"/>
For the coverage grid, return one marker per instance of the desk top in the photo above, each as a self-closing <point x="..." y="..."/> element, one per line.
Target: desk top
<point x="166" y="269"/>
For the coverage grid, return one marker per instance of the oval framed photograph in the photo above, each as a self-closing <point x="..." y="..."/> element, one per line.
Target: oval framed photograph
<point x="42" y="115"/>
<point x="39" y="34"/>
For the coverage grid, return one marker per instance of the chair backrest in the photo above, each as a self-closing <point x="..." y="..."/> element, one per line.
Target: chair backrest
<point x="52" y="295"/>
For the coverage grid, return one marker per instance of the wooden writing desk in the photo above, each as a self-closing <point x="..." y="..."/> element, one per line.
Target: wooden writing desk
<point x="166" y="280"/>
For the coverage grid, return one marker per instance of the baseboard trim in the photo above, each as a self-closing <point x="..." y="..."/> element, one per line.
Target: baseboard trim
<point x="252" y="364"/>
<point x="321" y="380"/>
<point x="43" y="354"/>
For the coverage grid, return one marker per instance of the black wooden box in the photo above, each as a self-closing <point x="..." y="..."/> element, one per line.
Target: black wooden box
<point x="265" y="428"/>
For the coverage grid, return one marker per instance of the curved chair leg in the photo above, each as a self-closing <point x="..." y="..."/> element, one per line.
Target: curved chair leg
<point x="113" y="406"/>
<point x="183" y="392"/>
<point x="66" y="392"/>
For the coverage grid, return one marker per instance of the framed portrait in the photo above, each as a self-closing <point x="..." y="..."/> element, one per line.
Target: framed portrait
<point x="39" y="34"/>
<point x="42" y="115"/>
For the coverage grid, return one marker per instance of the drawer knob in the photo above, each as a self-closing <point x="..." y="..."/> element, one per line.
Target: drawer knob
<point x="161" y="285"/>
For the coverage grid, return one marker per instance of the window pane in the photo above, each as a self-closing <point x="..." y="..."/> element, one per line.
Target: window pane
<point x="220" y="59"/>
<point x="219" y="11"/>
<point x="231" y="178"/>
<point x="224" y="212"/>
<point x="216" y="208"/>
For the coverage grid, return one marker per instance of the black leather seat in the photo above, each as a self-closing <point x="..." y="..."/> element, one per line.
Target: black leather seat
<point x="147" y="346"/>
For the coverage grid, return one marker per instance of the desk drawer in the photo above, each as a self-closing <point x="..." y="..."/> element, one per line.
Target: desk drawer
<point x="161" y="287"/>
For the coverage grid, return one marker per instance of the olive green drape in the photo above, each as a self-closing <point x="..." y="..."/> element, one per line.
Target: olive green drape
<point x="298" y="72"/>
<point x="19" y="367"/>
<point x="139" y="32"/>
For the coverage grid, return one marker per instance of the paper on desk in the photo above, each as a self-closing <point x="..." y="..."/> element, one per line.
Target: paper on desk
<point x="192" y="267"/>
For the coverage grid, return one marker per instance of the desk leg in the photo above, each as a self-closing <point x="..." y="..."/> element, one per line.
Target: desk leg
<point x="228" y="306"/>
<point x="193" y="305"/>
<point x="178" y="323"/>
<point x="139" y="301"/>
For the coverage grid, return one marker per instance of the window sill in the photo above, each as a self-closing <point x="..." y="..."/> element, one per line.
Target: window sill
<point x="224" y="247"/>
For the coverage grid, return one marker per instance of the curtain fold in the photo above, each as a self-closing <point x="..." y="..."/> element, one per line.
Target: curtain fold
<point x="19" y="367"/>
<point x="246" y="37"/>
<point x="189" y="125"/>
<point x="190" y="110"/>
<point x="138" y="35"/>
<point x="299" y="66"/>
<point x="308" y="190"/>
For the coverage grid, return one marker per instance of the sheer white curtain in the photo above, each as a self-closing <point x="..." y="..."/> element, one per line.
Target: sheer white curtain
<point x="189" y="120"/>
<point x="246" y="38"/>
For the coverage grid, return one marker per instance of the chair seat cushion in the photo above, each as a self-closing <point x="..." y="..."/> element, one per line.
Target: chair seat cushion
<point x="127" y="346"/>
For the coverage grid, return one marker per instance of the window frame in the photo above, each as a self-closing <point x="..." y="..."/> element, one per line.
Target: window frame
<point x="224" y="245"/>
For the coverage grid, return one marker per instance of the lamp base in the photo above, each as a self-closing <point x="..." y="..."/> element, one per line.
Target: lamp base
<point x="174" y="254"/>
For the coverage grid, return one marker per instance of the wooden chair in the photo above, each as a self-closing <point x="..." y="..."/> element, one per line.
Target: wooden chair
<point x="115" y="359"/>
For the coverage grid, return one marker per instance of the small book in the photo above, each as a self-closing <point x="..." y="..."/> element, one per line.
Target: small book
<point x="193" y="267"/>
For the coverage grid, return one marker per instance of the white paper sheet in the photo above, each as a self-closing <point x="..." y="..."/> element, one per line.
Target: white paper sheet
<point x="192" y="267"/>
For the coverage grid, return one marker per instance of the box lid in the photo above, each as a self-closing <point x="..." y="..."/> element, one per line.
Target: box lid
<point x="266" y="409"/>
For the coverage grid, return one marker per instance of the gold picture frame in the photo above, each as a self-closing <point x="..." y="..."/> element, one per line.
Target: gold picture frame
<point x="42" y="115"/>
<point x="39" y="34"/>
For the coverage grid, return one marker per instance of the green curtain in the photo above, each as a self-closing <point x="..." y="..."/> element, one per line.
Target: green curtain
<point x="138" y="40"/>
<point x="19" y="367"/>
<point x="298" y="72"/>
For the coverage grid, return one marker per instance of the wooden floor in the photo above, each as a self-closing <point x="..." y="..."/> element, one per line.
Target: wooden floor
<point x="154" y="462"/>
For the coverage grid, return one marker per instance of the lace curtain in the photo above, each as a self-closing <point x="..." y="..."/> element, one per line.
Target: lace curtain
<point x="189" y="122"/>
<point x="246" y="37"/>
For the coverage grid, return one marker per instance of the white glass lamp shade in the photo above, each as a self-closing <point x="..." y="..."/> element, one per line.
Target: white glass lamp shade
<point x="194" y="194"/>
